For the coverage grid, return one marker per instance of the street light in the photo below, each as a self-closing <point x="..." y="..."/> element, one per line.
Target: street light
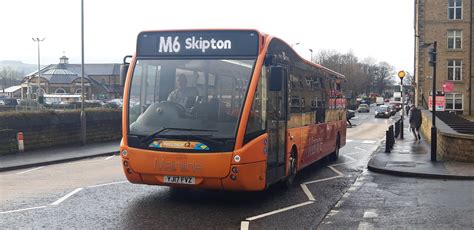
<point x="311" y="50"/>
<point x="83" y="112"/>
<point x="432" y="61"/>
<point x="39" y="73"/>
<point x="401" y="75"/>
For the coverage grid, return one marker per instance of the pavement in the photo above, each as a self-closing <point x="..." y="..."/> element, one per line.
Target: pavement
<point x="56" y="155"/>
<point x="412" y="158"/>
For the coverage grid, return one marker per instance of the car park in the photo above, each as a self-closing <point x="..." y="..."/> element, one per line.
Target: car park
<point x="363" y="108"/>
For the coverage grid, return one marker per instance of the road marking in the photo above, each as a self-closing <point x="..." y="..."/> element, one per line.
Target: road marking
<point x="361" y="149"/>
<point x="368" y="142"/>
<point x="371" y="213"/>
<point x="364" y="226"/>
<point x="244" y="225"/>
<point x="67" y="196"/>
<point x="307" y="192"/>
<point x="349" y="140"/>
<point x="100" y="185"/>
<point x="320" y="180"/>
<point x="110" y="157"/>
<point x="336" y="171"/>
<point x="279" y="210"/>
<point x="27" y="171"/>
<point x="25" y="209"/>
<point x="350" y="158"/>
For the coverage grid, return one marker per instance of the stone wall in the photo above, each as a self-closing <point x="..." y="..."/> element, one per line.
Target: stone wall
<point x="451" y="146"/>
<point x="48" y="129"/>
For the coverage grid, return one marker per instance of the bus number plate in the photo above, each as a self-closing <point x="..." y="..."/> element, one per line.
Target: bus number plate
<point x="180" y="179"/>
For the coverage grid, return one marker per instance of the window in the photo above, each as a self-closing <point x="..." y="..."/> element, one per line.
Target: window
<point x="60" y="91"/>
<point x="455" y="9"/>
<point x="454" y="39"/>
<point x="454" y="101"/>
<point x="454" y="70"/>
<point x="256" y="124"/>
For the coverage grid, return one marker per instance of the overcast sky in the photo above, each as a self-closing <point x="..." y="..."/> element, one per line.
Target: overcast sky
<point x="381" y="29"/>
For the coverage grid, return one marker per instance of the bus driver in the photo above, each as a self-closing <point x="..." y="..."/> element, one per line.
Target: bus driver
<point x="183" y="95"/>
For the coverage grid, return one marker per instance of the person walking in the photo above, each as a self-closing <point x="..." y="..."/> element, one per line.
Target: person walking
<point x="415" y="122"/>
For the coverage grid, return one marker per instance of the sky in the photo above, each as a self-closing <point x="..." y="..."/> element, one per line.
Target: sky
<point x="379" y="29"/>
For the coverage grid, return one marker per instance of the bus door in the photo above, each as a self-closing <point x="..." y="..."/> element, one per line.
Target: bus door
<point x="277" y="120"/>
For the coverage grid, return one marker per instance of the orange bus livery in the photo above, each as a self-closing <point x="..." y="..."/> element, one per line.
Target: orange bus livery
<point x="226" y="109"/>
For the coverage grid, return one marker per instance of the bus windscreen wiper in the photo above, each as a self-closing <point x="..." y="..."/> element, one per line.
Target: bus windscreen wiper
<point x="153" y="135"/>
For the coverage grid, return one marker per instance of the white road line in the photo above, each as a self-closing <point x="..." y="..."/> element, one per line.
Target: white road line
<point x="364" y="226"/>
<point x="27" y="171"/>
<point x="371" y="213"/>
<point x="67" y="196"/>
<point x="307" y="192"/>
<point x="361" y="149"/>
<point x="343" y="163"/>
<point x="350" y="158"/>
<point x="368" y="142"/>
<point x="25" y="209"/>
<point x="349" y="140"/>
<point x="110" y="157"/>
<point x="279" y="210"/>
<point x="100" y="185"/>
<point x="320" y="180"/>
<point x="244" y="225"/>
<point x="336" y="171"/>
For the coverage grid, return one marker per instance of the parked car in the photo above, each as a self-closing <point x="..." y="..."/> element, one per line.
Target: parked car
<point x="383" y="111"/>
<point x="397" y="104"/>
<point x="393" y="109"/>
<point x="363" y="108"/>
<point x="8" y="101"/>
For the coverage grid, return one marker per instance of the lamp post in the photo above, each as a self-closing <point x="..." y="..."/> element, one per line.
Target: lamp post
<point x="83" y="112"/>
<point x="434" y="144"/>
<point x="432" y="61"/>
<point x="39" y="73"/>
<point x="401" y="75"/>
<point x="311" y="50"/>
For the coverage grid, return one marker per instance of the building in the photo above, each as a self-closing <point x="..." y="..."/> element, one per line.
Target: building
<point x="101" y="81"/>
<point x="449" y="23"/>
<point x="12" y="91"/>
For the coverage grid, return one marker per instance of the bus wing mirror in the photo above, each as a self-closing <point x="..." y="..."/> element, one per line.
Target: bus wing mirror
<point x="124" y="70"/>
<point x="276" y="78"/>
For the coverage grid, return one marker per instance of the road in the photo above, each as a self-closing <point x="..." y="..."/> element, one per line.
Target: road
<point x="94" y="193"/>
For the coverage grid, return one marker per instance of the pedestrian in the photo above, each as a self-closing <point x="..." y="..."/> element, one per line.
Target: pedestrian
<point x="348" y="119"/>
<point x="407" y="109"/>
<point x="415" y="122"/>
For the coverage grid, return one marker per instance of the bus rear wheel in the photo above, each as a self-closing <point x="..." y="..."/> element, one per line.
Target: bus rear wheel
<point x="292" y="170"/>
<point x="335" y="155"/>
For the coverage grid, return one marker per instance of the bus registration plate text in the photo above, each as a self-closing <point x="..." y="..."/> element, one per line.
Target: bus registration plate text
<point x="180" y="179"/>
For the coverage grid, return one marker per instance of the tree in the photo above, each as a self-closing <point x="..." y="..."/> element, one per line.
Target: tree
<point x="362" y="77"/>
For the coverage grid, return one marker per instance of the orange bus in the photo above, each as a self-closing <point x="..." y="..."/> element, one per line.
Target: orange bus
<point x="226" y="109"/>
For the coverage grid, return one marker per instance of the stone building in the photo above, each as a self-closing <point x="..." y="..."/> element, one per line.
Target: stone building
<point x="101" y="81"/>
<point x="449" y="23"/>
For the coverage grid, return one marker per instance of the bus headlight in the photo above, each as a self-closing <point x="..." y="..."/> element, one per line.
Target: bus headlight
<point x="237" y="158"/>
